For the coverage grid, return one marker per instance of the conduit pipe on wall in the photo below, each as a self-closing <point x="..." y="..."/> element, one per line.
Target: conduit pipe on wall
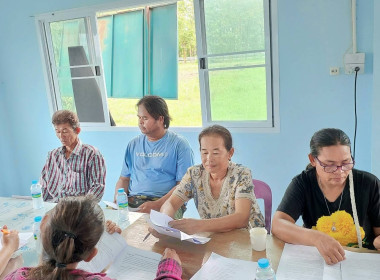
<point x="353" y="15"/>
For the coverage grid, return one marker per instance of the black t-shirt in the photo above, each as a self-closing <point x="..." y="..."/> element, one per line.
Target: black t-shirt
<point x="304" y="197"/>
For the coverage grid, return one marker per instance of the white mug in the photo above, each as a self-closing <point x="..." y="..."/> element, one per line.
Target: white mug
<point x="258" y="238"/>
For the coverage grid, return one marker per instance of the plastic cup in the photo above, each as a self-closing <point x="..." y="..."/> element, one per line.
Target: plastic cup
<point x="258" y="238"/>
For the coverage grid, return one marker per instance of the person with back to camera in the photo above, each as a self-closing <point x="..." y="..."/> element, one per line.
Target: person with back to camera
<point x="222" y="190"/>
<point x="155" y="161"/>
<point x="324" y="188"/>
<point x="69" y="234"/>
<point x="74" y="169"/>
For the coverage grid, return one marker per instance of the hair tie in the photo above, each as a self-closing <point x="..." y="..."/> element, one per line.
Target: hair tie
<point x="60" y="265"/>
<point x="69" y="235"/>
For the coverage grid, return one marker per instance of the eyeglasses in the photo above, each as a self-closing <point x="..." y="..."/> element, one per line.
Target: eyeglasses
<point x="333" y="168"/>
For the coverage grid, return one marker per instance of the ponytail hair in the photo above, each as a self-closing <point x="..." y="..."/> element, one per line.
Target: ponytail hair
<point x="70" y="232"/>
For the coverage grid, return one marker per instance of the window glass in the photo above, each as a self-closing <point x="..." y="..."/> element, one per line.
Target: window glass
<point x="238" y="95"/>
<point x="181" y="89"/>
<point x="234" y="62"/>
<point x="234" y="26"/>
<point x="78" y="87"/>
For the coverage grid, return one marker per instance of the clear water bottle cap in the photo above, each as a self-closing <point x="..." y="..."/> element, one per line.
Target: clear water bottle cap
<point x="34" y="182"/>
<point x="37" y="219"/>
<point x="263" y="263"/>
<point x="121" y="190"/>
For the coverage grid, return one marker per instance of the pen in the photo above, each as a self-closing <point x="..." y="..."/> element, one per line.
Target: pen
<point x="5" y="231"/>
<point x="146" y="236"/>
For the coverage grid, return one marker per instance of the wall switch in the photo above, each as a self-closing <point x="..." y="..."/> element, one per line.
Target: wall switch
<point x="334" y="71"/>
<point x="353" y="60"/>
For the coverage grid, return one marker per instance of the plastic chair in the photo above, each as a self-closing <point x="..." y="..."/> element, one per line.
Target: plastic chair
<point x="262" y="190"/>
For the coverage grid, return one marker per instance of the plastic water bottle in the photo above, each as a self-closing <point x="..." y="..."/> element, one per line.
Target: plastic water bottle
<point x="122" y="203"/>
<point x="264" y="270"/>
<point x="37" y="233"/>
<point x="36" y="192"/>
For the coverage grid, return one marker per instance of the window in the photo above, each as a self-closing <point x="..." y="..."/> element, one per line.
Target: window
<point x="100" y="61"/>
<point x="139" y="51"/>
<point x="235" y="62"/>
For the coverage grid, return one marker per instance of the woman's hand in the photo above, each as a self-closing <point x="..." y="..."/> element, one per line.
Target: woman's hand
<point x="189" y="226"/>
<point x="171" y="254"/>
<point x="330" y="249"/>
<point x="112" y="227"/>
<point x="376" y="242"/>
<point x="10" y="240"/>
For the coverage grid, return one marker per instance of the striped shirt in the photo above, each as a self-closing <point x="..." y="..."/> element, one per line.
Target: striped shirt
<point x="82" y="173"/>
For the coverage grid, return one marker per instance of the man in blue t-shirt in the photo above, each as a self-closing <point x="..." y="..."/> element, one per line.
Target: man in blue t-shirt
<point x="155" y="161"/>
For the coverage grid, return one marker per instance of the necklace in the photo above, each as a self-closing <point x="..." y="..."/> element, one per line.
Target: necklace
<point x="333" y="228"/>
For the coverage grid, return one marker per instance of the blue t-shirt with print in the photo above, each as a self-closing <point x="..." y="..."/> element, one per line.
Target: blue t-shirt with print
<point x="154" y="167"/>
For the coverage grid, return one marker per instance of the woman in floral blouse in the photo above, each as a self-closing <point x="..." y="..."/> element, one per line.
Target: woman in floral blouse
<point x="222" y="190"/>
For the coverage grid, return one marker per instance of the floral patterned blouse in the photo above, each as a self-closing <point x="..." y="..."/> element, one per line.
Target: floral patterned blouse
<point x="237" y="184"/>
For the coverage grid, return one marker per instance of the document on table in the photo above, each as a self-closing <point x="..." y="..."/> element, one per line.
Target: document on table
<point x="134" y="264"/>
<point x="218" y="267"/>
<point x="305" y="262"/>
<point x="109" y="247"/>
<point x="127" y="262"/>
<point x="160" y="222"/>
<point x="361" y="266"/>
<point x="23" y="237"/>
<point x="300" y="262"/>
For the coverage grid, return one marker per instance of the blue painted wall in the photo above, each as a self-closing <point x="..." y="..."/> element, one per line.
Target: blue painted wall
<point x="375" y="147"/>
<point x="313" y="35"/>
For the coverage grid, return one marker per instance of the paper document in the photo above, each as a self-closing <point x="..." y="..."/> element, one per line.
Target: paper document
<point x="29" y="197"/>
<point x="109" y="247"/>
<point x="134" y="264"/>
<point x="23" y="236"/>
<point x="305" y="262"/>
<point x="218" y="267"/>
<point x="361" y="266"/>
<point x="124" y="261"/>
<point x="160" y="222"/>
<point x="300" y="262"/>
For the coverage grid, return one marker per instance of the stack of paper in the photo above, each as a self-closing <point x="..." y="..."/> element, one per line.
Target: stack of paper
<point x="218" y="267"/>
<point x="126" y="262"/>
<point x="160" y="222"/>
<point x="305" y="262"/>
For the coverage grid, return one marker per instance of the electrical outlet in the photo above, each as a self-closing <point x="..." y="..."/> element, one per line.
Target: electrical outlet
<point x="353" y="60"/>
<point x="334" y="71"/>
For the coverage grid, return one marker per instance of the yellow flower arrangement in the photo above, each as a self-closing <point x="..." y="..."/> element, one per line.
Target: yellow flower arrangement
<point x="340" y="225"/>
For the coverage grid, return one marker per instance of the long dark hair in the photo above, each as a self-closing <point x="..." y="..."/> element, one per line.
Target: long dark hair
<point x="327" y="137"/>
<point x="71" y="231"/>
<point x="156" y="106"/>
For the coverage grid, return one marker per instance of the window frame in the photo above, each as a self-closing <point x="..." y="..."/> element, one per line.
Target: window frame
<point x="271" y="59"/>
<point x="43" y="23"/>
<point x="271" y="30"/>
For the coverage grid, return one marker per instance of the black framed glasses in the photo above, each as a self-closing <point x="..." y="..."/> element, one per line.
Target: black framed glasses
<point x="333" y="168"/>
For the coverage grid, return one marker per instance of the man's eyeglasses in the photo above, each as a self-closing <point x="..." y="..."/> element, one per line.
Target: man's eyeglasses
<point x="333" y="168"/>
